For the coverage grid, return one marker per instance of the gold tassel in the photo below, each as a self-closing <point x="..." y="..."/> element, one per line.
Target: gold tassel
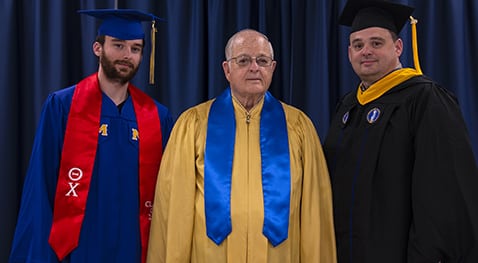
<point x="153" y="47"/>
<point x="414" y="22"/>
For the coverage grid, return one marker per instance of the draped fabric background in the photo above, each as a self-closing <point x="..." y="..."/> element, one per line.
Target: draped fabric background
<point x="47" y="46"/>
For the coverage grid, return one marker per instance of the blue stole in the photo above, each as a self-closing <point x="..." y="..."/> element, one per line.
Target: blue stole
<point x="218" y="159"/>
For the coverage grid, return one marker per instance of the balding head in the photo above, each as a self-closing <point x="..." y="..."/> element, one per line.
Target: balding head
<point x="239" y="37"/>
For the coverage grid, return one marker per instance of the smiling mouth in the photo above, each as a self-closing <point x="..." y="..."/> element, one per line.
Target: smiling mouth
<point x="368" y="62"/>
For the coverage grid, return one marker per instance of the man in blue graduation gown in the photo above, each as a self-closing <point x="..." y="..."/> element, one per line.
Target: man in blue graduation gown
<point x="90" y="184"/>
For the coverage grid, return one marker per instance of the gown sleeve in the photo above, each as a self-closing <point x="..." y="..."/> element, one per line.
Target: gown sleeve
<point x="30" y="243"/>
<point x="444" y="183"/>
<point x="317" y="228"/>
<point x="174" y="197"/>
<point x="167" y="123"/>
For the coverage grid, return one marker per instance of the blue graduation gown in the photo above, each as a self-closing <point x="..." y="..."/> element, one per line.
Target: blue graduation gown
<point x="110" y="230"/>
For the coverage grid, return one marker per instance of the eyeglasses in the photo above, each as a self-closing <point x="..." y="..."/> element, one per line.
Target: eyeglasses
<point x="245" y="60"/>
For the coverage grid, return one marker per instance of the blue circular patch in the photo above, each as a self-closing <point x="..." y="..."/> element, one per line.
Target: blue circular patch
<point x="345" y="118"/>
<point x="373" y="115"/>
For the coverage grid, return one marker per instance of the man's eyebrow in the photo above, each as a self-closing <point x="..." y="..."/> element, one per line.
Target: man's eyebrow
<point x="377" y="38"/>
<point x="372" y="38"/>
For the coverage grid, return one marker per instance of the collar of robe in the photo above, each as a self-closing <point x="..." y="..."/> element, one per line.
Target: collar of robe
<point x="377" y="89"/>
<point x="275" y="160"/>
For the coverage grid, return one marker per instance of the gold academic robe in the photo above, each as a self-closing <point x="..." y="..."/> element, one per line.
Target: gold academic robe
<point x="178" y="229"/>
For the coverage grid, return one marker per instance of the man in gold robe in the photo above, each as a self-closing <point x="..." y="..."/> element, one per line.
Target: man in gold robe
<point x="244" y="178"/>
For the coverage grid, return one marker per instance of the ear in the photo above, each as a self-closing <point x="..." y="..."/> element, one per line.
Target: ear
<point x="349" y="52"/>
<point x="227" y="69"/>
<point x="97" y="48"/>
<point x="398" y="47"/>
<point x="273" y="65"/>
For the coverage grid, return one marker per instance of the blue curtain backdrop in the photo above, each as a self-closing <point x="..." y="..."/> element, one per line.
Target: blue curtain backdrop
<point x="47" y="46"/>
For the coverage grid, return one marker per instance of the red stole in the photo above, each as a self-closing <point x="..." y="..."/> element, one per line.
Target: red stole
<point x="78" y="156"/>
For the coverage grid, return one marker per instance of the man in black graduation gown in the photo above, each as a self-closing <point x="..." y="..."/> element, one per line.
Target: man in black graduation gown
<point x="404" y="179"/>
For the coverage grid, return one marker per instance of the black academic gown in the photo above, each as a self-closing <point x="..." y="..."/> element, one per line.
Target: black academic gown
<point x="405" y="182"/>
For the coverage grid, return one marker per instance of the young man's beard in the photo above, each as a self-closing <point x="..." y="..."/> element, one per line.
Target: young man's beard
<point x="112" y="73"/>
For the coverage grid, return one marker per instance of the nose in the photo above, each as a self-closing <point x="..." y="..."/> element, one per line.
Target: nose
<point x="253" y="66"/>
<point x="366" y="50"/>
<point x="127" y="52"/>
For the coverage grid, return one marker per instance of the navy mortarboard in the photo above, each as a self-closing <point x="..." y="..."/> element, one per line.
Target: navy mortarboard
<point x="125" y="24"/>
<point x="361" y="14"/>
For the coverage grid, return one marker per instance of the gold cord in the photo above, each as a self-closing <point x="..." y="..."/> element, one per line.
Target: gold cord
<point x="153" y="47"/>
<point x="414" y="22"/>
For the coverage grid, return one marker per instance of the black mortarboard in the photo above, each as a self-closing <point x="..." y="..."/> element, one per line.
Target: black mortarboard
<point x="361" y="14"/>
<point x="125" y="24"/>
